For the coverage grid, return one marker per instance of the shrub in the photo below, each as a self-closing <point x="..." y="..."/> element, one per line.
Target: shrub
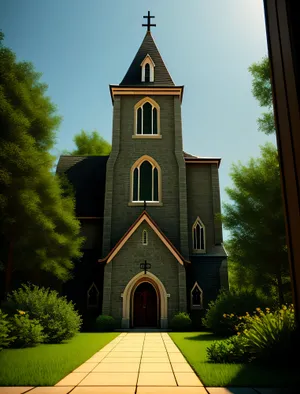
<point x="105" y="323"/>
<point x="232" y="350"/>
<point x="269" y="335"/>
<point x="56" y="315"/>
<point x="27" y="332"/>
<point x="221" y="316"/>
<point x="181" y="322"/>
<point x="5" y="329"/>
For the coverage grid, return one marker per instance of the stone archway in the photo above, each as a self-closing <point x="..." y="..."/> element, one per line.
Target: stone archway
<point x="127" y="298"/>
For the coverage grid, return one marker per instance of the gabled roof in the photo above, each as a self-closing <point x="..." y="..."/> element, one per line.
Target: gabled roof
<point x="87" y="175"/>
<point x="147" y="218"/>
<point x="133" y="75"/>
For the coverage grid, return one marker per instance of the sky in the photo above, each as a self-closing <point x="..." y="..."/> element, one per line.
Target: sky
<point x="82" y="46"/>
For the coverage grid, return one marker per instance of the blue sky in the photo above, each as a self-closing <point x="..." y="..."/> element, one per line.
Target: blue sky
<point x="83" y="46"/>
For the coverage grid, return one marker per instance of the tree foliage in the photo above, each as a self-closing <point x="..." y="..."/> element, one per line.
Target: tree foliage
<point x="262" y="91"/>
<point x="256" y="221"/>
<point x="37" y="224"/>
<point x="90" y="144"/>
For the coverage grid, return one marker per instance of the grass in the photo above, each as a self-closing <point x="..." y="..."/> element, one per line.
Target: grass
<point x="193" y="346"/>
<point x="45" y="365"/>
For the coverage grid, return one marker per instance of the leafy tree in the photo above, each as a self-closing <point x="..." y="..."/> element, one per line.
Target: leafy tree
<point x="38" y="229"/>
<point x="255" y="218"/>
<point x="90" y="144"/>
<point x="262" y="91"/>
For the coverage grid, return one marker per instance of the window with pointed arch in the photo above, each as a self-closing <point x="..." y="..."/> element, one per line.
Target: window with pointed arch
<point x="198" y="234"/>
<point x="196" y="297"/>
<point x="147" y="69"/>
<point x="145" y="181"/>
<point x="147" y="118"/>
<point x="145" y="237"/>
<point x="93" y="296"/>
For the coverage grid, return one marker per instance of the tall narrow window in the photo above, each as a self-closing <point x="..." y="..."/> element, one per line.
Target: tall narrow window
<point x="196" y="297"/>
<point x="145" y="180"/>
<point x="93" y="296"/>
<point x="198" y="231"/>
<point x="147" y="72"/>
<point x="147" y="69"/>
<point x="147" y="120"/>
<point x="145" y="237"/>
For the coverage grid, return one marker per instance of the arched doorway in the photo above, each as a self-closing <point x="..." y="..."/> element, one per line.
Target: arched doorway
<point x="145" y="306"/>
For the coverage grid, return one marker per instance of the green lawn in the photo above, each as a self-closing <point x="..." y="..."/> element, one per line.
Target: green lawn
<point x="45" y="365"/>
<point x="193" y="346"/>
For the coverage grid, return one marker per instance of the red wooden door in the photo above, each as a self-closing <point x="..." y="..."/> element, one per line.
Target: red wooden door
<point x="145" y="306"/>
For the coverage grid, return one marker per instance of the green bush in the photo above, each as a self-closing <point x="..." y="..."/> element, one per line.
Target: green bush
<point x="221" y="316"/>
<point x="105" y="323"/>
<point x="5" y="329"/>
<point x="181" y="322"/>
<point x="56" y="315"/>
<point x="26" y="332"/>
<point x="269" y="335"/>
<point x="232" y="350"/>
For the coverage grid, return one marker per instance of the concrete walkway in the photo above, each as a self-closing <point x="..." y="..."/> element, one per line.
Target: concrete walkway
<point x="135" y="363"/>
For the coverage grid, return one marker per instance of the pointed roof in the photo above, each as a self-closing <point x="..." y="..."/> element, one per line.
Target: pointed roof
<point x="144" y="216"/>
<point x="161" y="76"/>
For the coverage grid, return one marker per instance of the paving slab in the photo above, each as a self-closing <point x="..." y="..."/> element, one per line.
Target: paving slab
<point x="117" y="367"/>
<point x="156" y="379"/>
<point x="182" y="367"/>
<point x="121" y="360"/>
<point x="86" y="367"/>
<point x="170" y="390"/>
<point x="72" y="379"/>
<point x="110" y="379"/>
<point x="155" y="360"/>
<point x="187" y="379"/>
<point x="15" y="390"/>
<point x="155" y="354"/>
<point x="155" y="367"/>
<point x="105" y="390"/>
<point x="51" y="390"/>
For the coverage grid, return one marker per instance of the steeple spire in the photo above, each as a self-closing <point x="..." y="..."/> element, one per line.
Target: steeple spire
<point x="148" y="24"/>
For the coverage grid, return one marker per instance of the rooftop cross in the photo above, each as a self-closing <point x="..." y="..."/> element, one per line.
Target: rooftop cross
<point x="148" y="24"/>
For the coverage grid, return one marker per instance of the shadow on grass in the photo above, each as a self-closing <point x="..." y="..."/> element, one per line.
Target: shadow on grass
<point x="263" y="375"/>
<point x="204" y="337"/>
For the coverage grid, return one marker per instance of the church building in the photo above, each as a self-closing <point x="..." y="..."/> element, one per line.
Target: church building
<point x="153" y="246"/>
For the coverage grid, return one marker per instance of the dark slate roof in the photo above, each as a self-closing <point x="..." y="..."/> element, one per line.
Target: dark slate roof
<point x="87" y="175"/>
<point x="161" y="74"/>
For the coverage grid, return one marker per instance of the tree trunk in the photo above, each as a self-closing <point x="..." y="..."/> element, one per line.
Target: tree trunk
<point x="9" y="267"/>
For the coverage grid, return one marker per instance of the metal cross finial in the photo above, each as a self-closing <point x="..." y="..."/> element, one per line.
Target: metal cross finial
<point x="148" y="24"/>
<point x="145" y="205"/>
<point x="144" y="266"/>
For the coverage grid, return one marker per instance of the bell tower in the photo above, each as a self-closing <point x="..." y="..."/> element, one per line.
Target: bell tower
<point x="146" y="162"/>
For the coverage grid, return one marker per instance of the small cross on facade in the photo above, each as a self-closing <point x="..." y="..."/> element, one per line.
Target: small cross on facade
<point x="145" y="266"/>
<point x="148" y="24"/>
<point x="145" y="205"/>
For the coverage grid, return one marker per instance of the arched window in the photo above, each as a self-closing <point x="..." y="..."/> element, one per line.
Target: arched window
<point x="196" y="297"/>
<point x="198" y="231"/>
<point x="145" y="237"/>
<point x="147" y="117"/>
<point x="147" y="72"/>
<point x="147" y="68"/>
<point x="93" y="296"/>
<point x="146" y="179"/>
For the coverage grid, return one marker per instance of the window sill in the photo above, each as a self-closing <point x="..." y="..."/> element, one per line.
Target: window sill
<point x="141" y="136"/>
<point x="199" y="251"/>
<point x="148" y="204"/>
